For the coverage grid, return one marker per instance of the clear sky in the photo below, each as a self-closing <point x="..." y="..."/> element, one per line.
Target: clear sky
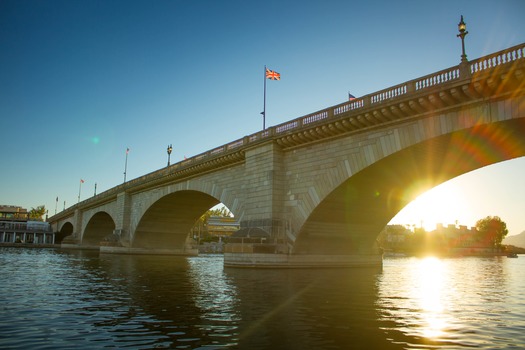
<point x="83" y="80"/>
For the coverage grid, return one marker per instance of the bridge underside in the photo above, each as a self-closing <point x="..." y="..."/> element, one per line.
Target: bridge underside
<point x="100" y="226"/>
<point x="349" y="220"/>
<point x="167" y="223"/>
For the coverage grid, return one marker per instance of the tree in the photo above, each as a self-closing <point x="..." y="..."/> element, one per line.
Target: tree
<point x="219" y="211"/>
<point x="491" y="231"/>
<point x="38" y="213"/>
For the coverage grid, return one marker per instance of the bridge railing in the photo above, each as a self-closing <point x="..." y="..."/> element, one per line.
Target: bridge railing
<point x="448" y="75"/>
<point x="497" y="59"/>
<point x="428" y="81"/>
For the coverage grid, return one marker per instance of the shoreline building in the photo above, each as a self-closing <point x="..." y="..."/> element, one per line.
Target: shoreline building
<point x="452" y="240"/>
<point x="222" y="226"/>
<point x="17" y="228"/>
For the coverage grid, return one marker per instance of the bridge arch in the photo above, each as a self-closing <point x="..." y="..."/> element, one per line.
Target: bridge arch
<point x="99" y="226"/>
<point x="66" y="226"/>
<point x="66" y="229"/>
<point x="167" y="222"/>
<point x="349" y="218"/>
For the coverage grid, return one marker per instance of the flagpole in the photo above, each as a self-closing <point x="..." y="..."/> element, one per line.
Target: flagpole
<point x="126" y="164"/>
<point x="79" y="189"/>
<point x="264" y="102"/>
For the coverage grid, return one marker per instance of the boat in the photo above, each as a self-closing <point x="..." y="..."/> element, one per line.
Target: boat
<point x="512" y="255"/>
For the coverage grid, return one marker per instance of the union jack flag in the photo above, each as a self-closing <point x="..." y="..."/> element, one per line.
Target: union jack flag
<point x="273" y="75"/>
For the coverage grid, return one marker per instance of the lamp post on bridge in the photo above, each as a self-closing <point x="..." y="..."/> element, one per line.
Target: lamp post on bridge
<point x="169" y="149"/>
<point x="462" y="27"/>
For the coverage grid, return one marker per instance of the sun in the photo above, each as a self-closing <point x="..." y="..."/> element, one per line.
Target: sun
<point x="444" y="204"/>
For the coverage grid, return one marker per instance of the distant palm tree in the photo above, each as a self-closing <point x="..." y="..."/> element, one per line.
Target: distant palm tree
<point x="37" y="213"/>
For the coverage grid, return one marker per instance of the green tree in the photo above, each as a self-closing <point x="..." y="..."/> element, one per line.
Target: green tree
<point x="37" y="213"/>
<point x="220" y="211"/>
<point x="491" y="231"/>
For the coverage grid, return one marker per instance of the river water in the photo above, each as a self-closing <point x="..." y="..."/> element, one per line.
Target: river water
<point x="66" y="299"/>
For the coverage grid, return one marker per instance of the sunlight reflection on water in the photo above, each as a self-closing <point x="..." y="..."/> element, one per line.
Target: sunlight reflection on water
<point x="429" y="292"/>
<point x="453" y="303"/>
<point x="62" y="300"/>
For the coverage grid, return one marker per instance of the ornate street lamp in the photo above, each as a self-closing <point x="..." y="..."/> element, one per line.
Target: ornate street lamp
<point x="462" y="27"/>
<point x="169" y="149"/>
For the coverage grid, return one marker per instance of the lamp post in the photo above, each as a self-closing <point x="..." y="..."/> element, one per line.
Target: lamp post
<point x="169" y="149"/>
<point x="462" y="27"/>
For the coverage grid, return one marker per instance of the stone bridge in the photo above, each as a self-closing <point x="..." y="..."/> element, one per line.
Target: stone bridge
<point x="324" y="185"/>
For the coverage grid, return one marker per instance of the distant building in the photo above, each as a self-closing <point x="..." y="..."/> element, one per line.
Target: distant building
<point x="449" y="240"/>
<point x="394" y="238"/>
<point x="15" y="227"/>
<point x="222" y="225"/>
<point x="464" y="241"/>
<point x="13" y="213"/>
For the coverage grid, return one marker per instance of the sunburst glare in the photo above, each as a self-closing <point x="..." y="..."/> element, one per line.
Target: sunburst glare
<point x="443" y="204"/>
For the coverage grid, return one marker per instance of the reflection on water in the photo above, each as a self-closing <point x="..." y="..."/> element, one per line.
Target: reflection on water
<point x="429" y="294"/>
<point x="64" y="299"/>
<point x="454" y="303"/>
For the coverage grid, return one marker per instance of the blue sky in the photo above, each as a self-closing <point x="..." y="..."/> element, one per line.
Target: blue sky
<point x="81" y="81"/>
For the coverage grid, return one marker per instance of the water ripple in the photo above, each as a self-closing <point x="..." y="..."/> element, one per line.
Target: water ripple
<point x="53" y="299"/>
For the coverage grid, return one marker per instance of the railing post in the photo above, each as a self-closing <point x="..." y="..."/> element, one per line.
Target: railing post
<point x="367" y="101"/>
<point x="411" y="86"/>
<point x="464" y="70"/>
